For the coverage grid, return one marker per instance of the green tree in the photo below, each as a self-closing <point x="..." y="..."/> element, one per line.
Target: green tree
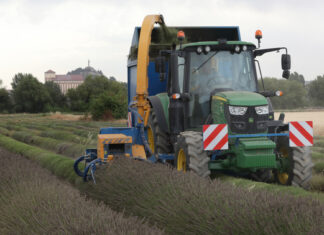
<point x="74" y="101"/>
<point x="315" y="91"/>
<point x="107" y="106"/>
<point x="79" y="99"/>
<point x="18" y="77"/>
<point x="29" y="94"/>
<point x="57" y="99"/>
<point x="5" y="101"/>
<point x="294" y="93"/>
<point x="297" y="77"/>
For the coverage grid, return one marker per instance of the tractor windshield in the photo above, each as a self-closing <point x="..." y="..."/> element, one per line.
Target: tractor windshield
<point x="214" y="72"/>
<point x="222" y="70"/>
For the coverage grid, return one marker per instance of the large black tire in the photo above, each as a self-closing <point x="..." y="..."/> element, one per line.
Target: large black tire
<point x="300" y="164"/>
<point x="190" y="144"/>
<point x="160" y="138"/>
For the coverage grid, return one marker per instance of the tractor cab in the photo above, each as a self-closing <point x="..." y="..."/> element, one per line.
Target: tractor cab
<point x="205" y="69"/>
<point x="216" y="82"/>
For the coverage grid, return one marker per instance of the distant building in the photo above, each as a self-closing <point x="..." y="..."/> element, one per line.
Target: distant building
<point x="65" y="82"/>
<point x="72" y="79"/>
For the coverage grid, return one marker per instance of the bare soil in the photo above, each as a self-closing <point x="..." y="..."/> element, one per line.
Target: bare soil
<point x="67" y="117"/>
<point x="316" y="116"/>
<point x="75" y="117"/>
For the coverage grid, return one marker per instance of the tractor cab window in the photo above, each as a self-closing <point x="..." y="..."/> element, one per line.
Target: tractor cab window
<point x="215" y="72"/>
<point x="181" y="65"/>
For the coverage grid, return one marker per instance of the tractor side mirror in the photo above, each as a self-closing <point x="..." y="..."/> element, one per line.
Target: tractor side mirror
<point x="285" y="61"/>
<point x="286" y="74"/>
<point x="285" y="65"/>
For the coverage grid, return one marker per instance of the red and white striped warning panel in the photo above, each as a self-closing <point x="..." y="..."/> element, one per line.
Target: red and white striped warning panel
<point x="129" y="120"/>
<point x="215" y="137"/>
<point x="300" y="133"/>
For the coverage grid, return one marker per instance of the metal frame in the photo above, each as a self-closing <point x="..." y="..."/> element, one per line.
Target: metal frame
<point x="258" y="135"/>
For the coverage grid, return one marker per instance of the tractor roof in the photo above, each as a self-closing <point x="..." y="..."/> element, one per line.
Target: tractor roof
<point x="210" y="43"/>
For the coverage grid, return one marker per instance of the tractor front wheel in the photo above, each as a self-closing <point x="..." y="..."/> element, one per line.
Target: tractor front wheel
<point x="296" y="164"/>
<point x="190" y="155"/>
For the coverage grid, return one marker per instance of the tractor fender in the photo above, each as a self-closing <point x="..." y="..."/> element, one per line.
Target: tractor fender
<point x="156" y="104"/>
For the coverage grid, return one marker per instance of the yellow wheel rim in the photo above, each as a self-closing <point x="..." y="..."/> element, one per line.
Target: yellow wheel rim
<point x="283" y="176"/>
<point x="181" y="162"/>
<point x="150" y="137"/>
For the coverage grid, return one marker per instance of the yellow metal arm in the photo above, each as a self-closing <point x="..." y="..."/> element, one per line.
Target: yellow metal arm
<point x="143" y="106"/>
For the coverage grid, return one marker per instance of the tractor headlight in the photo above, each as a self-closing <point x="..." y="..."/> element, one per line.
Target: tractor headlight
<point x="237" y="110"/>
<point x="261" y="110"/>
<point x="199" y="50"/>
<point x="207" y="49"/>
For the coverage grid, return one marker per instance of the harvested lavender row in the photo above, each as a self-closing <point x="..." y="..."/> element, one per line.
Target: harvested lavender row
<point x="185" y="203"/>
<point x="32" y="201"/>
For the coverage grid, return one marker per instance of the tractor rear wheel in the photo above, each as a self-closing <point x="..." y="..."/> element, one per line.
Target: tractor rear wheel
<point x="157" y="138"/>
<point x="190" y="155"/>
<point x="296" y="164"/>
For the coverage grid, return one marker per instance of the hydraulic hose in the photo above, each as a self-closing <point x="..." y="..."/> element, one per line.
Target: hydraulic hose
<point x="76" y="166"/>
<point x="146" y="145"/>
<point x="86" y="158"/>
<point x="141" y="126"/>
<point x="133" y="110"/>
<point x="92" y="167"/>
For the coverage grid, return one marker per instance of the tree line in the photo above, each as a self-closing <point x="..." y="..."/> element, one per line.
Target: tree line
<point x="297" y="93"/>
<point x="106" y="98"/>
<point x="102" y="97"/>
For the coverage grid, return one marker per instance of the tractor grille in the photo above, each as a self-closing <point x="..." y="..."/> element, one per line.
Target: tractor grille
<point x="249" y="123"/>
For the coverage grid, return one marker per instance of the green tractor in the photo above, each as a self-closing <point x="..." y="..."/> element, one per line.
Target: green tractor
<point x="198" y="106"/>
<point x="215" y="82"/>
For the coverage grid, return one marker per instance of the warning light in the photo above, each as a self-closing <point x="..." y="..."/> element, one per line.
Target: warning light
<point x="176" y="96"/>
<point x="258" y="34"/>
<point x="279" y="93"/>
<point x="180" y="35"/>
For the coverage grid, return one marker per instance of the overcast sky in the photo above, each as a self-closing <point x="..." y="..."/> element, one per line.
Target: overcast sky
<point x="37" y="35"/>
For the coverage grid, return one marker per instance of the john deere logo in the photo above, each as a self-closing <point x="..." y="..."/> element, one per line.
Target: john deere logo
<point x="251" y="120"/>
